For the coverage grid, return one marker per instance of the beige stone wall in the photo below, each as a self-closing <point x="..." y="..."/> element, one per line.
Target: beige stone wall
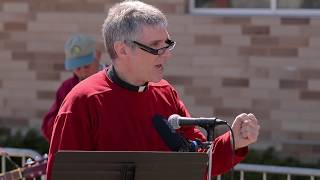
<point x="222" y="66"/>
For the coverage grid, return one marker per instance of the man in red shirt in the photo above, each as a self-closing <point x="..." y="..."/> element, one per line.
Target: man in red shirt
<point x="83" y="58"/>
<point x="113" y="110"/>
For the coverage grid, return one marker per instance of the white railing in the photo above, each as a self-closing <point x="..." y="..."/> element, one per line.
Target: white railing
<point x="268" y="169"/>
<point x="24" y="154"/>
<point x="242" y="168"/>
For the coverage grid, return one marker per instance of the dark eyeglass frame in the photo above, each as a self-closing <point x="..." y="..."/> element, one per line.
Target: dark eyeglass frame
<point x="160" y="51"/>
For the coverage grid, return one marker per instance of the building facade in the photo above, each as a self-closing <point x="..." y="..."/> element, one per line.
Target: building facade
<point x="222" y="65"/>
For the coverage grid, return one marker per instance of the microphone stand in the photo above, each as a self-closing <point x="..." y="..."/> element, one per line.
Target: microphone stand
<point x="209" y="144"/>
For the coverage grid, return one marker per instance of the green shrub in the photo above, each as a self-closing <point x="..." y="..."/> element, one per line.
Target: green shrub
<point x="31" y="139"/>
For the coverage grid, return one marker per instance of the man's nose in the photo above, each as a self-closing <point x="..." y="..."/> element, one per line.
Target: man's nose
<point x="167" y="54"/>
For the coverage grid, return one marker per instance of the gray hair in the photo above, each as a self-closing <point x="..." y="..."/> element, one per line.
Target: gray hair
<point x="125" y="21"/>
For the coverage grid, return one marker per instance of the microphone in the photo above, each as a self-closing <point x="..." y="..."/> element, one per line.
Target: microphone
<point x="172" y="139"/>
<point x="177" y="121"/>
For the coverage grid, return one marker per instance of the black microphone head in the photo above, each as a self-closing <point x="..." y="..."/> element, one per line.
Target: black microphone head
<point x="171" y="138"/>
<point x="174" y="121"/>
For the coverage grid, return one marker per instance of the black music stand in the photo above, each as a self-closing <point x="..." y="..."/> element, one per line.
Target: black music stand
<point x="120" y="165"/>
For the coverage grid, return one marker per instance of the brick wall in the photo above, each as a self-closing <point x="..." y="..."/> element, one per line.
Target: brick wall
<point x="221" y="66"/>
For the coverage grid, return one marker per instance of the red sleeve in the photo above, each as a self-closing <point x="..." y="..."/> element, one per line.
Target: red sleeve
<point x="47" y="123"/>
<point x="72" y="129"/>
<point x="223" y="158"/>
<point x="48" y="120"/>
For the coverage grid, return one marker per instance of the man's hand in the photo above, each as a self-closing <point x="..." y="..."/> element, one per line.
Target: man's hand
<point x="246" y="130"/>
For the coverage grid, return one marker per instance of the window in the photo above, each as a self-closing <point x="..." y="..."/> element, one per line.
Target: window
<point x="256" y="7"/>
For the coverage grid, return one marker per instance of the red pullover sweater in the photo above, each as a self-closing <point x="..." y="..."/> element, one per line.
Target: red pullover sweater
<point x="99" y="115"/>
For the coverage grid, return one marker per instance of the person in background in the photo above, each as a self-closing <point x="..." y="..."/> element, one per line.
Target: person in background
<point x="113" y="110"/>
<point x="83" y="58"/>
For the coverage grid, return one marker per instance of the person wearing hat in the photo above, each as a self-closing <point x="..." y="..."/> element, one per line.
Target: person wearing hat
<point x="81" y="57"/>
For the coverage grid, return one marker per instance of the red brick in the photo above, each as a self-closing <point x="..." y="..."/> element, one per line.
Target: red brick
<point x="207" y="40"/>
<point x="259" y="113"/>
<point x="265" y="134"/>
<point x="79" y="7"/>
<point x="21" y="46"/>
<point x="200" y="91"/>
<point x="2" y="1"/>
<point x="58" y="67"/>
<point x="284" y="52"/>
<point x="229" y="112"/>
<point x="49" y="56"/>
<point x="255" y="30"/>
<point x="310" y="136"/>
<point x="13" y="121"/>
<point x="310" y="95"/>
<point x="293" y="42"/>
<point x="41" y="66"/>
<point x="21" y="55"/>
<point x="200" y="20"/>
<point x="179" y="80"/>
<point x="18" y="8"/>
<point x="264" y="41"/>
<point x="310" y="73"/>
<point x="235" y="82"/>
<point x="295" y="21"/>
<point x="43" y="6"/>
<point x="237" y="20"/>
<point x="14" y="26"/>
<point x="293" y="84"/>
<point x="260" y="72"/>
<point x="254" y="51"/>
<point x="41" y="94"/>
<point x="5" y="36"/>
<point x="205" y="100"/>
<point x="168" y="8"/>
<point x="265" y="104"/>
<point x="47" y="76"/>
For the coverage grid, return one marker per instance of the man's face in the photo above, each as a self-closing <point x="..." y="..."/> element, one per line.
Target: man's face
<point x="148" y="67"/>
<point x="87" y="70"/>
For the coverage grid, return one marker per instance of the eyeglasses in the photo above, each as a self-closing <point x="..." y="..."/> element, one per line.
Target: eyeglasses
<point x="160" y="51"/>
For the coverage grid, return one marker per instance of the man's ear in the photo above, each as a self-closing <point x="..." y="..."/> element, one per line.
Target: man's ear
<point x="121" y="49"/>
